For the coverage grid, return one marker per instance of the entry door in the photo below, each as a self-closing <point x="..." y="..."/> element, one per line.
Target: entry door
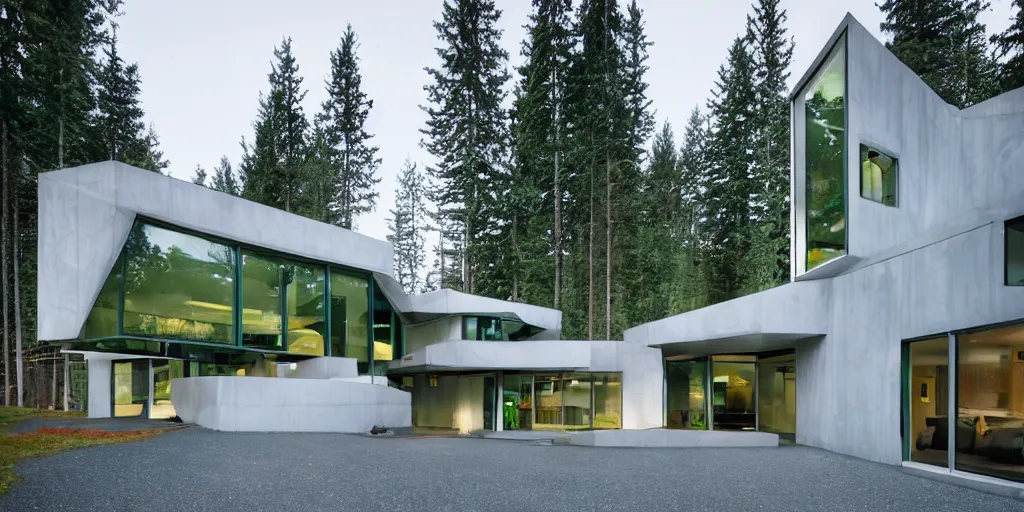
<point x="130" y="387"/>
<point x="490" y="392"/>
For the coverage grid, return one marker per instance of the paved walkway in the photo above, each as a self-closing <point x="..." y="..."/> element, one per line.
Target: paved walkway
<point x="108" y="424"/>
<point x="197" y="469"/>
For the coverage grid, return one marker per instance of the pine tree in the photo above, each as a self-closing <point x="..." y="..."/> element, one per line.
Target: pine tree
<point x="224" y="178"/>
<point x="465" y="125"/>
<point x="320" y="179"/>
<point x="1010" y="48"/>
<point x="538" y="142"/>
<point x="120" y="110"/>
<point x="151" y="158"/>
<point x="945" y="44"/>
<point x="345" y="113"/>
<point x="728" y="180"/>
<point x="408" y="226"/>
<point x="767" y="264"/>
<point x="199" y="176"/>
<point x="272" y="167"/>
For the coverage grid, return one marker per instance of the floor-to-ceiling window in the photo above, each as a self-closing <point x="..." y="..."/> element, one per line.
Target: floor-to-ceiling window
<point x="517" y="405"/>
<point x="383" y="332"/>
<point x="990" y="402"/>
<point x="607" y="400"/>
<point x="178" y="286"/>
<point x="733" y="386"/>
<point x="824" y="160"/>
<point x="350" y="316"/>
<point x="547" y="396"/>
<point x="776" y="395"/>
<point x="576" y="401"/>
<point x="928" y="407"/>
<point x="686" y="387"/>
<point x="131" y="387"/>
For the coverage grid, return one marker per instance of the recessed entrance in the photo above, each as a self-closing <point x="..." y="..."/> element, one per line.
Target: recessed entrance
<point x="131" y="387"/>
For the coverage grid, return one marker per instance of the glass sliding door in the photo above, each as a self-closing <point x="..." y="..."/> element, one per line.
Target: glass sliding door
<point x="928" y="401"/>
<point x="776" y="395"/>
<point x="547" y="395"/>
<point x="130" y="387"/>
<point x="733" y="393"/>
<point x="686" y="390"/>
<point x="990" y="402"/>
<point x="517" y="406"/>
<point x="576" y="396"/>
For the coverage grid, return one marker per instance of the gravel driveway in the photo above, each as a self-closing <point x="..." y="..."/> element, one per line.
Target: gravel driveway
<point x="198" y="469"/>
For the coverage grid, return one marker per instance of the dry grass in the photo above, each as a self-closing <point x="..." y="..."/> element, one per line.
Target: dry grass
<point x="48" y="441"/>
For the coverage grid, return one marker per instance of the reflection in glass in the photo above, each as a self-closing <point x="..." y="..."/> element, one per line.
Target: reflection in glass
<point x="350" y="314"/>
<point x="263" y="282"/>
<point x="305" y="285"/>
<point x="825" y="149"/>
<point x="776" y="399"/>
<point x="733" y="398"/>
<point x="163" y="371"/>
<point x="879" y="176"/>
<point x="131" y="387"/>
<point x="1015" y="252"/>
<point x="102" y="320"/>
<point x="686" y="383"/>
<point x="383" y="350"/>
<point x="469" y="327"/>
<point x="517" y="406"/>
<point x="178" y="286"/>
<point x="929" y="401"/>
<point x="990" y="403"/>
<point x="576" y="398"/>
<point x="607" y="400"/>
<point x="547" y="396"/>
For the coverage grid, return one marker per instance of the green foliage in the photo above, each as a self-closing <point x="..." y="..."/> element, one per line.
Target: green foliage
<point x="945" y="44"/>
<point x="408" y="224"/>
<point x="1010" y="47"/>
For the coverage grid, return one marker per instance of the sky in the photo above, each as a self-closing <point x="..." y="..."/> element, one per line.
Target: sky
<point x="204" y="62"/>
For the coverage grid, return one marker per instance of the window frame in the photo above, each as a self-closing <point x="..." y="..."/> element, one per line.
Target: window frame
<point x="862" y="146"/>
<point x="1006" y="247"/>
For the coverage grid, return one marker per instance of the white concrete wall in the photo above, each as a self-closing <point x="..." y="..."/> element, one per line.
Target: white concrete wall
<point x="267" y="404"/>
<point x="325" y="368"/>
<point x="469" y="403"/>
<point x="99" y="387"/>
<point x="418" y="336"/>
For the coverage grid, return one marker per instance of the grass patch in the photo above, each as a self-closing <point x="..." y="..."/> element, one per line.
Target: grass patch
<point x="12" y="415"/>
<point x="48" y="441"/>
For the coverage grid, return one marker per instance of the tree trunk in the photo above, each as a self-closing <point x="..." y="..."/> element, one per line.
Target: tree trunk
<point x="53" y="389"/>
<point x="67" y="382"/>
<point x="3" y="263"/>
<point x="608" y="249"/>
<point x="558" y="197"/>
<point x="590" y="256"/>
<point x="17" y="312"/>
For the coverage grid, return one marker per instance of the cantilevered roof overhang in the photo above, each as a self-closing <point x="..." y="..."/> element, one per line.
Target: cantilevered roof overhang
<point x="774" y="319"/>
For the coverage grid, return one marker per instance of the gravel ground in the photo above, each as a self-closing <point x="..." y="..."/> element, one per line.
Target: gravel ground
<point x="197" y="469"/>
<point x="108" y="424"/>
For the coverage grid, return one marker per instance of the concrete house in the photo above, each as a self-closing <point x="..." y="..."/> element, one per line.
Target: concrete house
<point x="900" y="338"/>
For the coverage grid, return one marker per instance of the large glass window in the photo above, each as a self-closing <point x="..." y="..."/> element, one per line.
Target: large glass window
<point x="990" y="403"/>
<point x="1015" y="252"/>
<point x="824" y="111"/>
<point x="517" y="405"/>
<point x="686" y="383"/>
<point x="350" y="316"/>
<point x="383" y="340"/>
<point x="306" y="325"/>
<point x="576" y="405"/>
<point x="482" y="328"/>
<point x="547" y="396"/>
<point x="929" y="401"/>
<point x="178" y="286"/>
<point x="879" y="176"/>
<point x="607" y="400"/>
<point x="264" y="281"/>
<point x="733" y="399"/>
<point x="102" y="320"/>
<point x="776" y="395"/>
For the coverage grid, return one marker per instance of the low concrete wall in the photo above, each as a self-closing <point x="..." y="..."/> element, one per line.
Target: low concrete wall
<point x="664" y="438"/>
<point x="267" y="404"/>
<point x="325" y="368"/>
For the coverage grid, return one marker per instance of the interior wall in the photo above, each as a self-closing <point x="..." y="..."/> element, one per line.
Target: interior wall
<point x="433" y="407"/>
<point x="469" y="403"/>
<point x="419" y="336"/>
<point x="99" y="387"/>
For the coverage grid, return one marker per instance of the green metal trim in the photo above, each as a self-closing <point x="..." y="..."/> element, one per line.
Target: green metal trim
<point x="222" y="346"/>
<point x="237" y="306"/>
<point x="905" y="423"/>
<point x="327" y="312"/>
<point x="123" y="275"/>
<point x="369" y="342"/>
<point x="283" y="303"/>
